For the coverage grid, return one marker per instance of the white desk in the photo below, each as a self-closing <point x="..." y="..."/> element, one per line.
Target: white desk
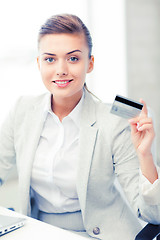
<point x="37" y="230"/>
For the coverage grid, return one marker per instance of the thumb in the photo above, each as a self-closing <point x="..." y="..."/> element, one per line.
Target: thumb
<point x="134" y="129"/>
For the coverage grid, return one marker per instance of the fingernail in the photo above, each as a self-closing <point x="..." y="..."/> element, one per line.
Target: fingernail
<point x="139" y="129"/>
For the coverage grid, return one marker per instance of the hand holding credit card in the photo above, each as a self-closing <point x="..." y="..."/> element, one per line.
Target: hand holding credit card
<point x="125" y="107"/>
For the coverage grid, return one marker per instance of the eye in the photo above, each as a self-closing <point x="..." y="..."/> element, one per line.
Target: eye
<point x="50" y="60"/>
<point x="73" y="59"/>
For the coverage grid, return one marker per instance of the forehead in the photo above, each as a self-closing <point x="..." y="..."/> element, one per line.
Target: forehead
<point x="62" y="42"/>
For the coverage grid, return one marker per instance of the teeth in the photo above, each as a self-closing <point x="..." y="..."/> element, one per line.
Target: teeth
<point x="62" y="82"/>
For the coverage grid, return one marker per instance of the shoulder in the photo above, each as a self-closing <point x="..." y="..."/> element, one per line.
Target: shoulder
<point x="107" y="122"/>
<point x="28" y="101"/>
<point x="98" y="113"/>
<point x="104" y="115"/>
<point x="25" y="104"/>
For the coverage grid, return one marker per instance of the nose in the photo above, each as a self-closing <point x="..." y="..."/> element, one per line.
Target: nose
<point x="61" y="74"/>
<point x="62" y="68"/>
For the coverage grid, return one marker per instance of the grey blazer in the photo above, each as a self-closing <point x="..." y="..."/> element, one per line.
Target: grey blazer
<point x="106" y="152"/>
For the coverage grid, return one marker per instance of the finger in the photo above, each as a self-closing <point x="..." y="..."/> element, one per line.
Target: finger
<point x="134" y="128"/>
<point x="145" y="121"/>
<point x="140" y="120"/>
<point x="144" y="111"/>
<point x="144" y="127"/>
<point x="134" y="120"/>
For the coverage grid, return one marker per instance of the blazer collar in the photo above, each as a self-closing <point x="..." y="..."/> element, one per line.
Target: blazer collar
<point x="33" y="126"/>
<point x="89" y="110"/>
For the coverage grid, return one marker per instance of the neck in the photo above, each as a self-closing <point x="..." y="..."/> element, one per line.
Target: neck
<point x="63" y="106"/>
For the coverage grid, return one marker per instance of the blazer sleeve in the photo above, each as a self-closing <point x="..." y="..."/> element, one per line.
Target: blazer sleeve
<point x="126" y="167"/>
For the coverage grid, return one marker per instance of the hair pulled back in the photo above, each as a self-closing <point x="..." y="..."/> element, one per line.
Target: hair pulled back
<point x="65" y="23"/>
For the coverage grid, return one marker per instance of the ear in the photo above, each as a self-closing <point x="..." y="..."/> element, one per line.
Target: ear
<point x="38" y="62"/>
<point x="91" y="64"/>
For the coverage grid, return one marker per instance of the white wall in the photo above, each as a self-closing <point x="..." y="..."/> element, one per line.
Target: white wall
<point x="107" y="25"/>
<point x="143" y="56"/>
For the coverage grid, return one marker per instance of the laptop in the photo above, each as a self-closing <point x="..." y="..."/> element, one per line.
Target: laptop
<point x="8" y="223"/>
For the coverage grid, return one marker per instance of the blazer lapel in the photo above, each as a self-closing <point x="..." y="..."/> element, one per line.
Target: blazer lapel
<point x="33" y="128"/>
<point x="88" y="134"/>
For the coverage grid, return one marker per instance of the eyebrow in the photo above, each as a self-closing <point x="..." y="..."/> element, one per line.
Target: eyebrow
<point x="73" y="51"/>
<point x="52" y="54"/>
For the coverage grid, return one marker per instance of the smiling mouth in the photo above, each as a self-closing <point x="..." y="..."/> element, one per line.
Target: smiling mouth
<point x="62" y="83"/>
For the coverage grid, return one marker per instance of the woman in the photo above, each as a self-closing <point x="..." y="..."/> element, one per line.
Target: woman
<point x="69" y="148"/>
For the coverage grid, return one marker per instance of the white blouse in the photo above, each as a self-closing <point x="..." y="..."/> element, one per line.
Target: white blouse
<point x="55" y="165"/>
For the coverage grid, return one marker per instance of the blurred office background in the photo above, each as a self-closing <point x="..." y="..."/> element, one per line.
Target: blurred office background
<point x="126" y="46"/>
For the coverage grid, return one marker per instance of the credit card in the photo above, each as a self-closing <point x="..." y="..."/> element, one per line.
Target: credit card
<point x="125" y="107"/>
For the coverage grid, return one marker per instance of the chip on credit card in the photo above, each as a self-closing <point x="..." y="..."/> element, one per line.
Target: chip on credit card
<point x="125" y="107"/>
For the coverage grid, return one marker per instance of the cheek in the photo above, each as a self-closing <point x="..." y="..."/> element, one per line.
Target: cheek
<point x="46" y="73"/>
<point x="79" y="71"/>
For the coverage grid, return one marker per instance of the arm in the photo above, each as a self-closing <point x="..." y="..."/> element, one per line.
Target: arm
<point x="127" y="165"/>
<point x="142" y="133"/>
<point x="7" y="151"/>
